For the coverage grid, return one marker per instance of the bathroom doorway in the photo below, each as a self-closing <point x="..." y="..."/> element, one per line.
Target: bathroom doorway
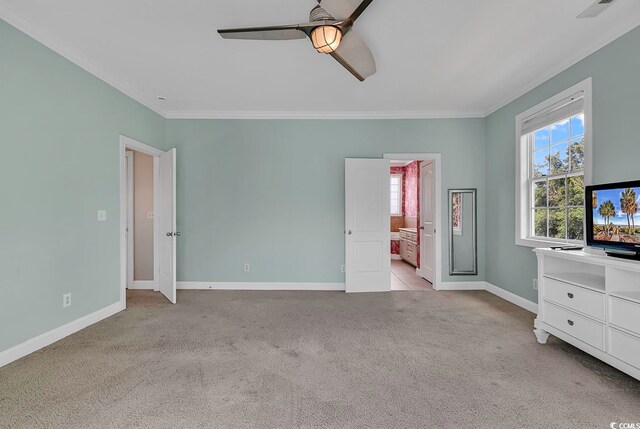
<point x="368" y="235"/>
<point x="412" y="224"/>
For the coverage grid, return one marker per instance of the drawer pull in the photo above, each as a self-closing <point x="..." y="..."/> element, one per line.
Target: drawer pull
<point x="570" y="295"/>
<point x="570" y="322"/>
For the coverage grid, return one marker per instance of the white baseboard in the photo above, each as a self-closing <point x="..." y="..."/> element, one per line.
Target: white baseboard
<point x="43" y="340"/>
<point x="471" y="285"/>
<point x="144" y="284"/>
<point x="476" y="285"/>
<point x="396" y="257"/>
<point x="512" y="297"/>
<point x="504" y="294"/>
<point x="260" y="286"/>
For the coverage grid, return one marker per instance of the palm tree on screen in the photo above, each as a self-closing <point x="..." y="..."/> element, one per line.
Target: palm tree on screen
<point x="629" y="207"/>
<point x="606" y="210"/>
<point x="634" y="208"/>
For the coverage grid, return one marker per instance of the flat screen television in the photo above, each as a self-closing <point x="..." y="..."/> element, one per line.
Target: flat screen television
<point x="613" y="218"/>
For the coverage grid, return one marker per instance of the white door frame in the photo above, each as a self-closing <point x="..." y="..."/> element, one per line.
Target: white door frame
<point x="130" y="228"/>
<point x="437" y="177"/>
<point x="127" y="143"/>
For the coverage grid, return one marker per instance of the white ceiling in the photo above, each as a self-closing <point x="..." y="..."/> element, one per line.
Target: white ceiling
<point x="446" y="58"/>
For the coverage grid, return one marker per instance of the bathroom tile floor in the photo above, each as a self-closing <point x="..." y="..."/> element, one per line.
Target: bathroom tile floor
<point x="404" y="277"/>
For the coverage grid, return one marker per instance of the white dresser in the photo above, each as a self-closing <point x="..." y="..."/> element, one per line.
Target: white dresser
<point x="593" y="303"/>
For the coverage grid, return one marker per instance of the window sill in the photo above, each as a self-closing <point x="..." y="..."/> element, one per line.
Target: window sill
<point x="537" y="243"/>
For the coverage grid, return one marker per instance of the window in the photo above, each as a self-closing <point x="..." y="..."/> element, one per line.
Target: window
<point x="396" y="195"/>
<point x="554" y="164"/>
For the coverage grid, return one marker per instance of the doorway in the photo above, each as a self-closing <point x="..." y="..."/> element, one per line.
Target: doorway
<point x="371" y="197"/>
<point x="140" y="226"/>
<point x="147" y="224"/>
<point x="411" y="224"/>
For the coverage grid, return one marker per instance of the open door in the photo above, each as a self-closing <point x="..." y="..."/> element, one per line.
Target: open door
<point x="367" y="232"/>
<point x="427" y="224"/>
<point x="167" y="233"/>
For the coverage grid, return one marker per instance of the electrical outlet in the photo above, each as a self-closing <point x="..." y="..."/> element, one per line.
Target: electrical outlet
<point x="102" y="215"/>
<point x="247" y="267"/>
<point x="343" y="268"/>
<point x="149" y="215"/>
<point x="535" y="284"/>
<point x="66" y="300"/>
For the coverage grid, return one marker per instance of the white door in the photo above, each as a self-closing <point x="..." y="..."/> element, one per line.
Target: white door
<point x="367" y="231"/>
<point x="427" y="223"/>
<point x="167" y="233"/>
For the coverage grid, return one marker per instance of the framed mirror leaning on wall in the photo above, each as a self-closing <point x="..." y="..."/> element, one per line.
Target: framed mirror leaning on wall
<point x="463" y="237"/>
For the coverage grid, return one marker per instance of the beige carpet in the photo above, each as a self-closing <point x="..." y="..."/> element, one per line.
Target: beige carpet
<point x="316" y="359"/>
<point x="146" y="298"/>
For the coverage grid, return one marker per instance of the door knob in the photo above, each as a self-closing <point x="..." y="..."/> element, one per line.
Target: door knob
<point x="349" y="232"/>
<point x="177" y="234"/>
<point x="422" y="227"/>
<point x="169" y="234"/>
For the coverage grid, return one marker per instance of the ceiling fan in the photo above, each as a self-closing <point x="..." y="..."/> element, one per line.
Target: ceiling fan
<point x="330" y="29"/>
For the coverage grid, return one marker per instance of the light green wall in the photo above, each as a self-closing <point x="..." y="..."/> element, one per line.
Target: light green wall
<point x="59" y="132"/>
<point x="266" y="192"/>
<point x="272" y="192"/>
<point x="615" y="70"/>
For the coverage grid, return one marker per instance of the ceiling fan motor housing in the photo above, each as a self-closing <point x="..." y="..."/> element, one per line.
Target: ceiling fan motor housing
<point x="319" y="14"/>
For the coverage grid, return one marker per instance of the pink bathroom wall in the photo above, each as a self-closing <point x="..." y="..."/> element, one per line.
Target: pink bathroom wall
<point x="411" y="199"/>
<point x="410" y="189"/>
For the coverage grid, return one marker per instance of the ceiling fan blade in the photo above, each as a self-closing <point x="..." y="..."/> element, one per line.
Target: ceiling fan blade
<point x="354" y="55"/>
<point x="280" y="32"/>
<point x="345" y="9"/>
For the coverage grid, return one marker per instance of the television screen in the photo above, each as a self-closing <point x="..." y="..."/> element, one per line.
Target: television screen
<point x="615" y="218"/>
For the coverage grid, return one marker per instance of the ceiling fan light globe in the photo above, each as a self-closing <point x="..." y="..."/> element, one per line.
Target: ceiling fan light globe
<point x="326" y="38"/>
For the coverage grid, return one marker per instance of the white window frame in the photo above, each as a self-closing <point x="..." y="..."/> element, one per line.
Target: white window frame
<point x="400" y="195"/>
<point x="523" y="211"/>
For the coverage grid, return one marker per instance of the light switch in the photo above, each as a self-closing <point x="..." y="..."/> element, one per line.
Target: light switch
<point x="102" y="215"/>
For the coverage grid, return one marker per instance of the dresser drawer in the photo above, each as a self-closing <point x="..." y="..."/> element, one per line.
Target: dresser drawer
<point x="625" y="314"/>
<point x="580" y="327"/>
<point x="624" y="347"/>
<point x="577" y="298"/>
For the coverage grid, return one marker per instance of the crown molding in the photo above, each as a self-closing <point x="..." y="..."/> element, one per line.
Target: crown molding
<point x="14" y="19"/>
<point x="571" y="61"/>
<point x="429" y="114"/>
